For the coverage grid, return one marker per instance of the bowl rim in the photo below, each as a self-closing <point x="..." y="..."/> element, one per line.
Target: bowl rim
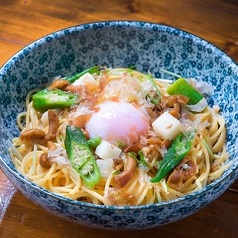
<point x="126" y="23"/>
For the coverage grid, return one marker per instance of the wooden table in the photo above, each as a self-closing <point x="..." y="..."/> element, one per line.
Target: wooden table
<point x="23" y="21"/>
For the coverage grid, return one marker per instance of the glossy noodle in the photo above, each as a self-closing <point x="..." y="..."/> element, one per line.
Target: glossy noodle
<point x="120" y="108"/>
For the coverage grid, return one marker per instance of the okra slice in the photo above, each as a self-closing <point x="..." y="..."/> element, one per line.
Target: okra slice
<point x="180" y="146"/>
<point x="56" y="98"/>
<point x="80" y="156"/>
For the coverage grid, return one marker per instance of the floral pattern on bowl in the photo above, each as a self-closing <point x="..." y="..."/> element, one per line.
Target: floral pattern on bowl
<point x="147" y="46"/>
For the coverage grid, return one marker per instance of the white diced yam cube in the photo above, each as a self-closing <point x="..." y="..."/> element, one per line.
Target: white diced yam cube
<point x="167" y="126"/>
<point x="105" y="167"/>
<point x="106" y="150"/>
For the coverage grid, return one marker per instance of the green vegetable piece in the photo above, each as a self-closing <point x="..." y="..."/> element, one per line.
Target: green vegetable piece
<point x="142" y="159"/>
<point x="45" y="99"/>
<point x="94" y="142"/>
<point x="80" y="156"/>
<point x="182" y="87"/>
<point x="155" y="98"/>
<point x="208" y="148"/>
<point x="92" y="70"/>
<point x="56" y="98"/>
<point x="176" y="152"/>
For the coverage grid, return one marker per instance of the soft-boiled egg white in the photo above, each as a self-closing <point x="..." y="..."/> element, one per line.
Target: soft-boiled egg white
<point x="118" y="122"/>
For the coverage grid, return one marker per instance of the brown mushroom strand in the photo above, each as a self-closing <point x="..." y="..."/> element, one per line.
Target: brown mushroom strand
<point x="174" y="102"/>
<point x="123" y="178"/>
<point x="44" y="160"/>
<point x="80" y="121"/>
<point x="32" y="134"/>
<point x="159" y="142"/>
<point x="175" y="111"/>
<point x="182" y="172"/>
<point x="53" y="125"/>
<point x="59" y="84"/>
<point x="38" y="136"/>
<point x="51" y="145"/>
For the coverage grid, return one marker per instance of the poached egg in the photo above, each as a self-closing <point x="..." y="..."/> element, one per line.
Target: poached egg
<point x="118" y="122"/>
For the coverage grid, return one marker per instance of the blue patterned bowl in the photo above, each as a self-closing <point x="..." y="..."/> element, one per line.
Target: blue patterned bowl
<point x="118" y="44"/>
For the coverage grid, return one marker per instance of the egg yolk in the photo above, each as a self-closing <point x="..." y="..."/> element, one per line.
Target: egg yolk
<point x="118" y="122"/>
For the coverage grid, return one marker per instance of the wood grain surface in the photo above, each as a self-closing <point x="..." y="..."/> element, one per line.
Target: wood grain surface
<point x="23" y="21"/>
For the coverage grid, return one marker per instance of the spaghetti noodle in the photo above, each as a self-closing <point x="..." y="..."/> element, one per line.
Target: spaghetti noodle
<point x="134" y="102"/>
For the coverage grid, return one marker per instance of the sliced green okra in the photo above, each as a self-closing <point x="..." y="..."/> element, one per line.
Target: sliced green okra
<point x="80" y="156"/>
<point x="56" y="98"/>
<point x="176" y="152"/>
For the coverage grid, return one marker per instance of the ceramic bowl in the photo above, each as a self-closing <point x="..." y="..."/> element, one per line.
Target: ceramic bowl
<point x="147" y="46"/>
